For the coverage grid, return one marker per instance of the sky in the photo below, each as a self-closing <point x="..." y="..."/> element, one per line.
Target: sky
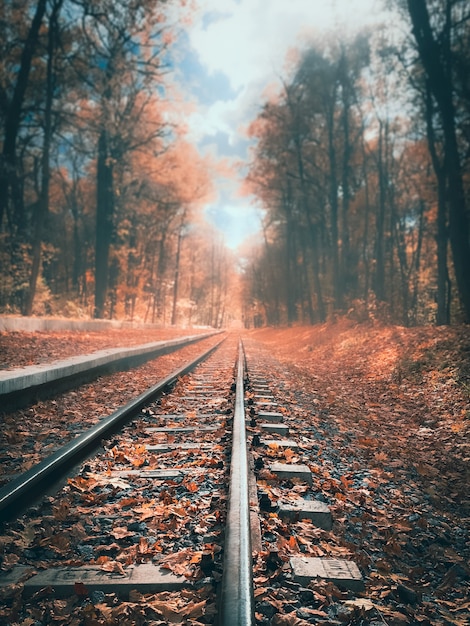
<point x="228" y="57"/>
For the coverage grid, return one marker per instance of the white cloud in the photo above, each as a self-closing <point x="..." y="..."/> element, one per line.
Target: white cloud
<point x="247" y="41"/>
<point x="209" y="120"/>
<point x="236" y="220"/>
<point x="250" y="40"/>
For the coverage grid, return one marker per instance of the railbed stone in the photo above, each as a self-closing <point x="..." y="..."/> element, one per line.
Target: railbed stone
<point x="280" y="429"/>
<point x="146" y="578"/>
<point x="290" y="470"/>
<point x="314" y="510"/>
<point x="155" y="474"/>
<point x="181" y="429"/>
<point x="169" y="447"/>
<point x="281" y="443"/>
<point x="271" y="416"/>
<point x="15" y="575"/>
<point x="342" y="573"/>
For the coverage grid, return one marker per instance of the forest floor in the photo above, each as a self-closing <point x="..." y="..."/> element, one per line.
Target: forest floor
<point x="391" y="406"/>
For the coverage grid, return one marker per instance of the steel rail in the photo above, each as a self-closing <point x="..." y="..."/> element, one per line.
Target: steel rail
<point x="19" y="492"/>
<point x="236" y="602"/>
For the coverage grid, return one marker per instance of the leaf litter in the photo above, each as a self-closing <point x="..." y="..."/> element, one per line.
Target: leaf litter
<point x="108" y="517"/>
<point x="384" y="418"/>
<point x="48" y="424"/>
<point x="384" y="415"/>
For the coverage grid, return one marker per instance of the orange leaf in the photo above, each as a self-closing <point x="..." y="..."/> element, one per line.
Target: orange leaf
<point x="82" y="484"/>
<point x="128" y="502"/>
<point x="113" y="566"/>
<point x="102" y="559"/>
<point x="288" y="453"/>
<point x="367" y="442"/>
<point x="120" y="532"/>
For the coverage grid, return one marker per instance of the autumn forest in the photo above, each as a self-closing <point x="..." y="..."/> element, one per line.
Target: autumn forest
<point x="359" y="166"/>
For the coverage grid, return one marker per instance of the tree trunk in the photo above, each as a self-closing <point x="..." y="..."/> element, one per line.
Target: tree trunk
<point x="379" y="278"/>
<point x="417" y="263"/>
<point x="8" y="174"/>
<point x="275" y="280"/>
<point x="104" y="223"/>
<point x="311" y="229"/>
<point x="161" y="269"/>
<point x="291" y="278"/>
<point x="345" y="269"/>
<point x="177" y="274"/>
<point x="43" y="204"/>
<point x="337" y="294"/>
<point x="435" y="59"/>
<point x="77" y="269"/>
<point x="442" y="235"/>
<point x="365" y="236"/>
<point x="401" y="245"/>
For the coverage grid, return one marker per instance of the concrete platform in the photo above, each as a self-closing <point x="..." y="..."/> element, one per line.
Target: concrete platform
<point x="271" y="417"/>
<point x="314" y="510"/>
<point x="289" y="471"/>
<point x="344" y="574"/>
<point x="146" y="578"/>
<point x="280" y="429"/>
<point x="35" y="376"/>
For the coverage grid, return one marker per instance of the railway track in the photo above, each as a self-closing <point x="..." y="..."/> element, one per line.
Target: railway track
<point x="200" y="509"/>
<point x="31" y="433"/>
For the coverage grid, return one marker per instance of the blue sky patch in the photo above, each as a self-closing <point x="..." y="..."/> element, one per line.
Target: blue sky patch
<point x="206" y="87"/>
<point x="224" y="146"/>
<point x="213" y="16"/>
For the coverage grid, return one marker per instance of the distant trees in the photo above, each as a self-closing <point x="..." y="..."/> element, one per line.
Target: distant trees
<point x="97" y="184"/>
<point x="361" y="184"/>
<point x="361" y="164"/>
